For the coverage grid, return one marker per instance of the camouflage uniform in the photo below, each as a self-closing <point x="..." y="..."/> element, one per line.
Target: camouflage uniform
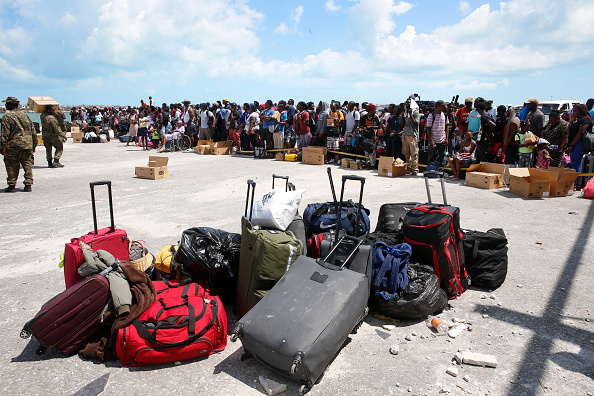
<point x="61" y="117"/>
<point x="52" y="135"/>
<point x="18" y="144"/>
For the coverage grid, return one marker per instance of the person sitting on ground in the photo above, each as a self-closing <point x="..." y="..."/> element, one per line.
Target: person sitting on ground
<point x="465" y="157"/>
<point x="525" y="156"/>
<point x="543" y="159"/>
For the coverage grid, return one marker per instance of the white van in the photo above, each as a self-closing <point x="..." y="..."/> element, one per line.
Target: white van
<point x="561" y="105"/>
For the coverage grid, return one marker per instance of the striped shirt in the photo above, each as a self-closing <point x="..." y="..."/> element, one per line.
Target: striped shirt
<point x="437" y="127"/>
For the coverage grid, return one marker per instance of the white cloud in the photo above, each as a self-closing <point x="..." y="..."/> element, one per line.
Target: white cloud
<point x="331" y="6"/>
<point x="67" y="19"/>
<point x="370" y="21"/>
<point x="282" y="28"/>
<point x="464" y="7"/>
<point x="296" y="14"/>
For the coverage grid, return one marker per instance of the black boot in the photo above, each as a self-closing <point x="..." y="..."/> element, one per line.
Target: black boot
<point x="28" y="188"/>
<point x="57" y="164"/>
<point x="10" y="189"/>
<point x="49" y="164"/>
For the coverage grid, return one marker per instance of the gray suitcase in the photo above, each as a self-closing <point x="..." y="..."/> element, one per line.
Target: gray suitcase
<point x="300" y="325"/>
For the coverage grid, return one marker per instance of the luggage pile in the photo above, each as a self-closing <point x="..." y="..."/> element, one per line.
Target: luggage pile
<point x="298" y="285"/>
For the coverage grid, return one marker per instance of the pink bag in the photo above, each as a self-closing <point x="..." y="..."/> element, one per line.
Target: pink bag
<point x="589" y="189"/>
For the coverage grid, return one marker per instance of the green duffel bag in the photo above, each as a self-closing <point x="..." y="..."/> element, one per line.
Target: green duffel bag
<point x="264" y="258"/>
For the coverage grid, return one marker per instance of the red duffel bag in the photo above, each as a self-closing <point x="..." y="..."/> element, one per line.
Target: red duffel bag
<point x="185" y="322"/>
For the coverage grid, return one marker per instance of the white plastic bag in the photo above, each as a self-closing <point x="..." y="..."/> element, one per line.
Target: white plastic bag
<point x="276" y="209"/>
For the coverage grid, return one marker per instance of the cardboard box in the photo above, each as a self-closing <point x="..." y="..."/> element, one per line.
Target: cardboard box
<point x="204" y="142"/>
<point x="529" y="182"/>
<point x="280" y="156"/>
<point x="345" y="162"/>
<point x="38" y="103"/>
<point x="356" y="165"/>
<point x="77" y="137"/>
<point x="314" y="155"/>
<point x="388" y="167"/>
<point x="531" y="138"/>
<point x="562" y="181"/>
<point x="222" y="148"/>
<point x="202" y="149"/>
<point x="487" y="175"/>
<point x="485" y="180"/>
<point x="156" y="169"/>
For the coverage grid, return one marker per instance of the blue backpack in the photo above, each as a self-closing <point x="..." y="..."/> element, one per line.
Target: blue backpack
<point x="389" y="267"/>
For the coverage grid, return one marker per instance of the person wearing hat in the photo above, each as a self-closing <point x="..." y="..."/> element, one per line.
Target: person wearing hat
<point x="17" y="144"/>
<point x="535" y="117"/>
<point x="53" y="136"/>
<point x="543" y="159"/>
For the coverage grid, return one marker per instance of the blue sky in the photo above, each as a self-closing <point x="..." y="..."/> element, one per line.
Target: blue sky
<point x="118" y="52"/>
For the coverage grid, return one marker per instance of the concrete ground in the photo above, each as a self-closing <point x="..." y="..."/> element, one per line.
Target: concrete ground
<point x="539" y="324"/>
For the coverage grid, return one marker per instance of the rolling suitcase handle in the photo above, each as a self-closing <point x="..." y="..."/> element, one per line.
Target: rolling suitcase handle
<point x="441" y="176"/>
<point x="102" y="183"/>
<point x="286" y="178"/>
<point x="251" y="184"/>
<point x="329" y="170"/>
<point x="339" y="211"/>
<point x="326" y="261"/>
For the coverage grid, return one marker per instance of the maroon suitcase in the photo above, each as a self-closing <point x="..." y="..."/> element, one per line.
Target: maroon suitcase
<point x="69" y="320"/>
<point x="110" y="239"/>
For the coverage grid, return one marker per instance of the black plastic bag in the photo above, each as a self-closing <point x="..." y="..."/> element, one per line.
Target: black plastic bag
<point x="207" y="251"/>
<point x="422" y="296"/>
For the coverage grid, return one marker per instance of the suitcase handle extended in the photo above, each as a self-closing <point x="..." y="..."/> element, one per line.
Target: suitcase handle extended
<point x="441" y="176"/>
<point x="286" y="178"/>
<point x="339" y="209"/>
<point x="251" y="184"/>
<point x="102" y="183"/>
<point x="326" y="261"/>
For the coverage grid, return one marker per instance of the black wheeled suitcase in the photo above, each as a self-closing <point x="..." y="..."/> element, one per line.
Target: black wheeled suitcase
<point x="363" y="254"/>
<point x="301" y="324"/>
<point x="433" y="231"/>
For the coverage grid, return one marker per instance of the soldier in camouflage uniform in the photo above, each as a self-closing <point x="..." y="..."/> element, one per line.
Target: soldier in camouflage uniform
<point x="19" y="141"/>
<point x="53" y="136"/>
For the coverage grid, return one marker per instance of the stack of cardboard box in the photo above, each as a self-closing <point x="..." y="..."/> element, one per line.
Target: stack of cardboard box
<point x="388" y="167"/>
<point x="156" y="168"/>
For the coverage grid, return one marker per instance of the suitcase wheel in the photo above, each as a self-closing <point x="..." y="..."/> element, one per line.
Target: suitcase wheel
<point x="304" y="389"/>
<point x="236" y="332"/>
<point x="40" y="350"/>
<point x="245" y="356"/>
<point x="25" y="334"/>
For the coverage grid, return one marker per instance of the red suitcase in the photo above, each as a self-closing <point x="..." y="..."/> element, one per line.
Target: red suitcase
<point x="185" y="322"/>
<point x="69" y="320"/>
<point x="110" y="239"/>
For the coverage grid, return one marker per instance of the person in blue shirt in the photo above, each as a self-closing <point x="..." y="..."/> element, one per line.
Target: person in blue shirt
<point x="268" y="124"/>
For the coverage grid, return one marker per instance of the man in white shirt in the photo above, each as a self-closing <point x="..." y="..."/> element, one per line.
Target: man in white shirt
<point x="352" y="122"/>
<point x="205" y="129"/>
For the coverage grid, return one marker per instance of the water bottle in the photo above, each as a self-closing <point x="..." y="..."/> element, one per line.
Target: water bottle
<point x="437" y="324"/>
<point x="554" y="147"/>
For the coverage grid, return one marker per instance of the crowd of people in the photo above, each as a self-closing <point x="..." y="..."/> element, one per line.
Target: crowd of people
<point x="436" y="133"/>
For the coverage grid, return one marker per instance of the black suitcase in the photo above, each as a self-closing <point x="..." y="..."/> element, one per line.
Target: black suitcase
<point x="363" y="254"/>
<point x="391" y="215"/>
<point x="301" y="324"/>
<point x="433" y="230"/>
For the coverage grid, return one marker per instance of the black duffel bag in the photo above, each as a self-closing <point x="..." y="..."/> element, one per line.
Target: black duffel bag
<point x="486" y="257"/>
<point x="208" y="251"/>
<point x="422" y="297"/>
